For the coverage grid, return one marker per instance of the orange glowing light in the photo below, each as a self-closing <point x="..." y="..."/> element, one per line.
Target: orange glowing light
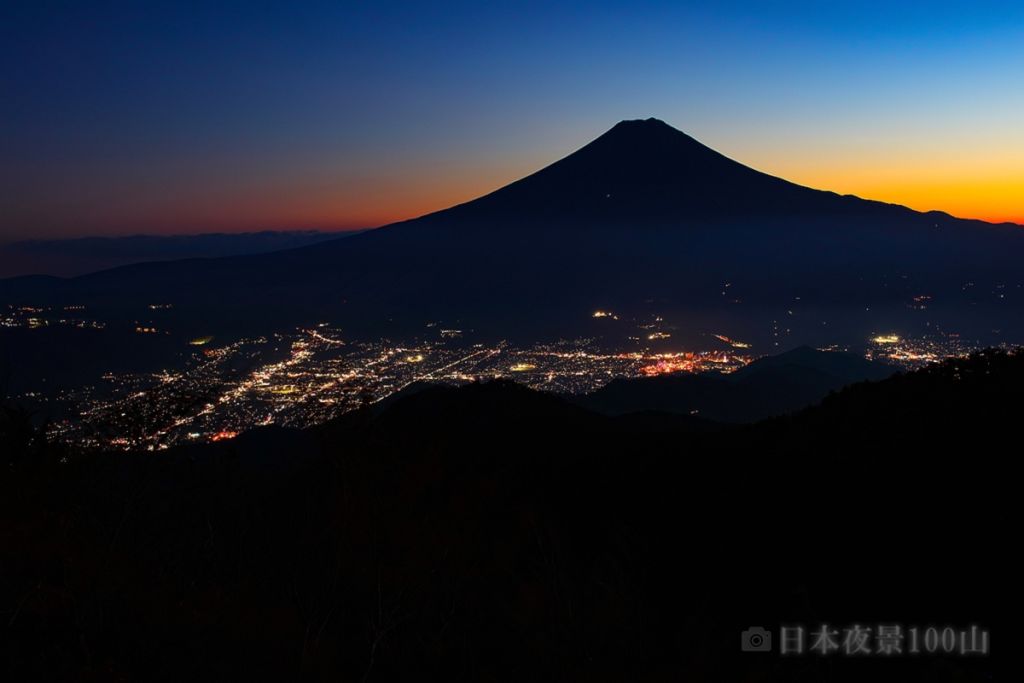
<point x="668" y="366"/>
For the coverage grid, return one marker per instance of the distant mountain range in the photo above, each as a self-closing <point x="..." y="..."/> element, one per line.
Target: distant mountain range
<point x="81" y="255"/>
<point x="644" y="221"/>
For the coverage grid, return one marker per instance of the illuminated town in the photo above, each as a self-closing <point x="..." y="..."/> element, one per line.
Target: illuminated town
<point x="308" y="376"/>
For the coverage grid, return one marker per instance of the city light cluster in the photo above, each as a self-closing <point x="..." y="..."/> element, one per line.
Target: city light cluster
<point x="218" y="388"/>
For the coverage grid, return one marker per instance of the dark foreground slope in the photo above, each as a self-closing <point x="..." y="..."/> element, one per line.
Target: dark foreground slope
<point x="769" y="386"/>
<point x="493" y="533"/>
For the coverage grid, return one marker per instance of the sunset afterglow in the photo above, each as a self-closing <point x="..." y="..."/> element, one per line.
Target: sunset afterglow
<point x="211" y="127"/>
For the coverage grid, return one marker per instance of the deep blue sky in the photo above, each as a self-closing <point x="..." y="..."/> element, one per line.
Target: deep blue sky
<point x="179" y="117"/>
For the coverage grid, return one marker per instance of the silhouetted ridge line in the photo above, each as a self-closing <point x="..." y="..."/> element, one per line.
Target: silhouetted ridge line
<point x="646" y="171"/>
<point x="643" y="213"/>
<point x="519" y="545"/>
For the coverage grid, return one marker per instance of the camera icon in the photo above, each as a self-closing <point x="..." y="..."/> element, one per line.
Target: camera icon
<point x="756" y="639"/>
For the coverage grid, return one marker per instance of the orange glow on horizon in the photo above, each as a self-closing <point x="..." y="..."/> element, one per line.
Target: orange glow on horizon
<point x="996" y="203"/>
<point x="980" y="179"/>
<point x="974" y="190"/>
<point x="995" y="197"/>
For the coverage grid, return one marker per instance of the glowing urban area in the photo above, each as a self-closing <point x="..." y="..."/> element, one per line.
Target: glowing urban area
<point x="217" y="388"/>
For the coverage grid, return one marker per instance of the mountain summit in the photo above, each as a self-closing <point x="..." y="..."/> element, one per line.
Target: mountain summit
<point x="649" y="171"/>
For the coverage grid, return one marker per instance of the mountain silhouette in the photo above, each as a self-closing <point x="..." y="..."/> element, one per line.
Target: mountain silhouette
<point x="767" y="387"/>
<point x="645" y="219"/>
<point x="648" y="172"/>
<point x="842" y="367"/>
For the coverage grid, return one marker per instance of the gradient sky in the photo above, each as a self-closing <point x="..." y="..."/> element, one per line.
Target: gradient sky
<point x="119" y="118"/>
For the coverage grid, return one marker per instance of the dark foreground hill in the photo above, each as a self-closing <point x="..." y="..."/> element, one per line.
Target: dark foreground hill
<point x="770" y="386"/>
<point x="493" y="533"/>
